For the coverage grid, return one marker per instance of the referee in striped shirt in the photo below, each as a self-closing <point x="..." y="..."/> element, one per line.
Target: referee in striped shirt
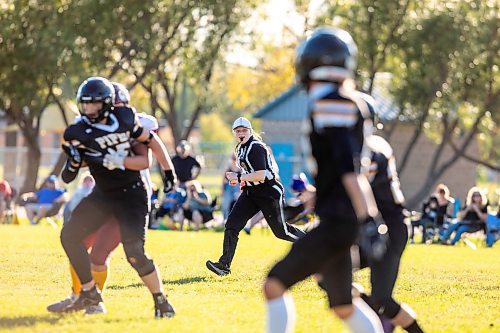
<point x="261" y="192"/>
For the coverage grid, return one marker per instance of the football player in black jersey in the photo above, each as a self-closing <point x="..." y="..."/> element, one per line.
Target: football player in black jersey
<point x="261" y="192"/>
<point x="325" y="64"/>
<point x="106" y="131"/>
<point x="383" y="177"/>
<point x="106" y="239"/>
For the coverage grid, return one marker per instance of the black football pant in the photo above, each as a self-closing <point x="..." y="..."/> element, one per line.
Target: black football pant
<point x="384" y="272"/>
<point x="325" y="250"/>
<point x="268" y="198"/>
<point x="128" y="205"/>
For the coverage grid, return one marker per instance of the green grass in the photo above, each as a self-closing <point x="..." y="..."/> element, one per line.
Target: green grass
<point x="453" y="289"/>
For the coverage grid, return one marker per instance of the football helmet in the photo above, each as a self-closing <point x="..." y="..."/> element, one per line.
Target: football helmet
<point x="121" y="93"/>
<point x="96" y="89"/>
<point x="329" y="54"/>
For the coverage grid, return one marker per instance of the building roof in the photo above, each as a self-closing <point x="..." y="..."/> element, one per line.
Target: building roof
<point x="292" y="105"/>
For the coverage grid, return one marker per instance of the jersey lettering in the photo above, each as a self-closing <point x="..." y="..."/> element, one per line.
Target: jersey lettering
<point x="112" y="139"/>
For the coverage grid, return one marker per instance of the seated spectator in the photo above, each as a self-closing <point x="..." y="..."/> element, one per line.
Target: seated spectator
<point x="302" y="205"/>
<point x="471" y="218"/>
<point x="427" y="220"/>
<point x="198" y="207"/>
<point x="86" y="186"/>
<point x="434" y="213"/>
<point x="229" y="193"/>
<point x="171" y="204"/>
<point x="39" y="203"/>
<point x="5" y="199"/>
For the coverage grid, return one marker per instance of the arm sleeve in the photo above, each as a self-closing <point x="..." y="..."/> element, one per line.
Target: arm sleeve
<point x="257" y="157"/>
<point x="137" y="128"/>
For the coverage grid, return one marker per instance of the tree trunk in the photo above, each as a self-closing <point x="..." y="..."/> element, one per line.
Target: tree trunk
<point x="32" y="160"/>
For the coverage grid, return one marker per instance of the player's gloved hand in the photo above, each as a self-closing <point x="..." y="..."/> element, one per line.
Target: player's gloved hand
<point x="373" y="237"/>
<point x="74" y="157"/>
<point x="169" y="180"/>
<point x="114" y="160"/>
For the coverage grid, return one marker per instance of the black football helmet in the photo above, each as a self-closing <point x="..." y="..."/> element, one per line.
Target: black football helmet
<point x="329" y="54"/>
<point x="97" y="89"/>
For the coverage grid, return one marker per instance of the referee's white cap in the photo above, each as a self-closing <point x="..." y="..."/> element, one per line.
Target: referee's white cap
<point x="242" y="122"/>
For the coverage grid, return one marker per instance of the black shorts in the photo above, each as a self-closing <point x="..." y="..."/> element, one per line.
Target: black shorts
<point x="325" y="250"/>
<point x="207" y="216"/>
<point x="129" y="205"/>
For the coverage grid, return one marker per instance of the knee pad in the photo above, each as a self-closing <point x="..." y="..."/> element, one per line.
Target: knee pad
<point x="387" y="307"/>
<point x="137" y="257"/>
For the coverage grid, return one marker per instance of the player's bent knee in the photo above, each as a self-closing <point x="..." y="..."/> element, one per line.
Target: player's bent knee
<point x="273" y="288"/>
<point x="138" y="258"/>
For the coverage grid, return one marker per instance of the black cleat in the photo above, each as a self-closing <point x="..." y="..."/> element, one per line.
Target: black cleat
<point x="163" y="309"/>
<point x="218" y="268"/>
<point x="85" y="300"/>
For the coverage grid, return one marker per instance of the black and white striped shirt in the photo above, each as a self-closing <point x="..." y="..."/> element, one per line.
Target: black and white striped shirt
<point x="253" y="156"/>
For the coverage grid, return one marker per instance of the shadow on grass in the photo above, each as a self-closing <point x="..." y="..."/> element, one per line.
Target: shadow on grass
<point x="187" y="280"/>
<point x="26" y="321"/>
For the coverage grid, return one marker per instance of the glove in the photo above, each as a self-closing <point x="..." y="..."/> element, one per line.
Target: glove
<point x="74" y="157"/>
<point x="114" y="159"/>
<point x="374" y="239"/>
<point x="169" y="180"/>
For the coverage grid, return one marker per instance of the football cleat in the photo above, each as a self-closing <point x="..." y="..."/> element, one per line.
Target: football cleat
<point x="96" y="309"/>
<point x="86" y="299"/>
<point x="218" y="268"/>
<point x="61" y="305"/>
<point x="163" y="309"/>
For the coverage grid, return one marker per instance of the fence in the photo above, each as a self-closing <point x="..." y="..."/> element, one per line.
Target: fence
<point x="13" y="162"/>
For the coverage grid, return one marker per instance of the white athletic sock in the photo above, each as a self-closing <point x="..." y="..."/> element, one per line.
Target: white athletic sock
<point x="363" y="319"/>
<point x="281" y="315"/>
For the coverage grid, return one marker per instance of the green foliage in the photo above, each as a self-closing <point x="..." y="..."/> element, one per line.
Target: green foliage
<point x="452" y="289"/>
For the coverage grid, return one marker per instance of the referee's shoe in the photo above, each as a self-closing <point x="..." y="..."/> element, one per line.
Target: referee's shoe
<point x="218" y="268"/>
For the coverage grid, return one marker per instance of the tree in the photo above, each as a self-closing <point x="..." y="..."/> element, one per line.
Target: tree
<point x="169" y="48"/>
<point x="35" y="49"/>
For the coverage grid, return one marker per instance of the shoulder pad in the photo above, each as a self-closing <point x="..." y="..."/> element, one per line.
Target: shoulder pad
<point x="72" y="134"/>
<point x="370" y="102"/>
<point x="77" y="119"/>
<point x="148" y="122"/>
<point x="364" y="107"/>
<point x="380" y="145"/>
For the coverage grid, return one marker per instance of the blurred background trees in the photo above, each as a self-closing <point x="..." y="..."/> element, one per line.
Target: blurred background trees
<point x="183" y="59"/>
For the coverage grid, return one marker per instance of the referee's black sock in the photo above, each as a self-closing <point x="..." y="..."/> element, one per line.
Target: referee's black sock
<point x="413" y="328"/>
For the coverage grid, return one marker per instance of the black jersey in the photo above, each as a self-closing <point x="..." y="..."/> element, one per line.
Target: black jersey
<point x="383" y="175"/>
<point x="252" y="156"/>
<point x="97" y="140"/>
<point x="336" y="138"/>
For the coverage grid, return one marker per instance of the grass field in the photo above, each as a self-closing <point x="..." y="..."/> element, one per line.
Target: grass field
<point x="453" y="289"/>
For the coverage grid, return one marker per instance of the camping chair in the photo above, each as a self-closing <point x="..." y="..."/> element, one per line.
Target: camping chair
<point x="54" y="213"/>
